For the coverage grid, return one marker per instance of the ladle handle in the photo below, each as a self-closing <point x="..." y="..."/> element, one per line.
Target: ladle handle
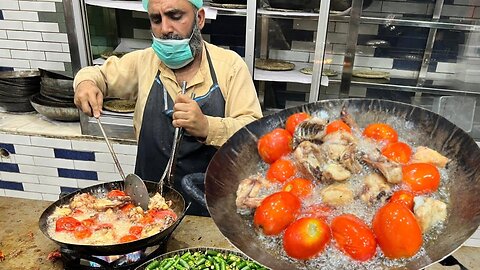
<point x="110" y="147"/>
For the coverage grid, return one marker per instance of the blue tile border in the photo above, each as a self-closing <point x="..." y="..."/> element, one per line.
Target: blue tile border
<point x="9" y="147"/>
<point x="11" y="185"/>
<point x="68" y="189"/>
<point x="77" y="174"/>
<point x="73" y="154"/>
<point x="9" y="167"/>
<point x="1" y="15"/>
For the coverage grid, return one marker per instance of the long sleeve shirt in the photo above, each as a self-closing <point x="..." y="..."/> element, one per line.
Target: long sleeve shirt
<point x="132" y="76"/>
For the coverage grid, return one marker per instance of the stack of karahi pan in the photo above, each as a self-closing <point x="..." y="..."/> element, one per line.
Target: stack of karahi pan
<point x="16" y="89"/>
<point x="55" y="100"/>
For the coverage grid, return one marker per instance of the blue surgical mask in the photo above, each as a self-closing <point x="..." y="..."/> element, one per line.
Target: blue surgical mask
<point x="174" y="53"/>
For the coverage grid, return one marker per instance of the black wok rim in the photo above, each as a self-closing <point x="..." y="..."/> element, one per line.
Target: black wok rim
<point x="123" y="248"/>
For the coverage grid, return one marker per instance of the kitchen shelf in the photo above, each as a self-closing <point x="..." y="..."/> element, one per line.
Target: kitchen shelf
<point x="285" y="76"/>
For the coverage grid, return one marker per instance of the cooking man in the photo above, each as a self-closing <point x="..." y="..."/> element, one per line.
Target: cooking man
<point x="219" y="100"/>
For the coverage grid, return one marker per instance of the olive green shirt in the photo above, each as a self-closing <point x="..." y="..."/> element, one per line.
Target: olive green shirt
<point x="132" y="76"/>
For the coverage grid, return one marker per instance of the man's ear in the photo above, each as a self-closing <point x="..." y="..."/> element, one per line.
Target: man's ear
<point x="201" y="18"/>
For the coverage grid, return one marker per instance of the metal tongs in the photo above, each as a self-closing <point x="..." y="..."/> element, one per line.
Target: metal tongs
<point x="134" y="185"/>
<point x="168" y="174"/>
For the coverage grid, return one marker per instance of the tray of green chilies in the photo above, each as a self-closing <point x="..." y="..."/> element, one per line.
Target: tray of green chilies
<point x="201" y="258"/>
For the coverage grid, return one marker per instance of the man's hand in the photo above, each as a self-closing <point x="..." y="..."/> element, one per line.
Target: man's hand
<point x="89" y="98"/>
<point x="188" y="115"/>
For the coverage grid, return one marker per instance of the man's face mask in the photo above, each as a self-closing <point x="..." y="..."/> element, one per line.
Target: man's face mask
<point x="174" y="53"/>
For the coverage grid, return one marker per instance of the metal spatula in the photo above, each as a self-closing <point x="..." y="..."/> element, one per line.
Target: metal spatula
<point x="134" y="186"/>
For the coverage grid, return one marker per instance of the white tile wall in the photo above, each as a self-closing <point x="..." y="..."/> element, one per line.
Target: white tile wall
<point x="50" y="197"/>
<point x="23" y="35"/>
<point x="94" y="166"/>
<point x="11" y="25"/>
<point x="59" y="181"/>
<point x="2" y="192"/>
<point x="20" y="15"/>
<point x="59" y="66"/>
<point x="55" y="37"/>
<point x="54" y="162"/>
<point x="41" y="26"/>
<point x="60" y="57"/>
<point x="38" y="170"/>
<point x="123" y="159"/>
<point x="13" y="44"/>
<point x="91" y="146"/>
<point x="41" y="188"/>
<point x="23" y="194"/>
<point x="125" y="149"/>
<point x="37" y="6"/>
<point x="87" y="183"/>
<point x="44" y="46"/>
<point x="23" y="159"/>
<point x="106" y="177"/>
<point x="19" y="177"/>
<point x="458" y="11"/>
<point x="51" y="142"/>
<point x="65" y="48"/>
<point x="3" y="34"/>
<point x="27" y="55"/>
<point x="16" y="63"/>
<point x="9" y="5"/>
<point x="289" y="55"/>
<point x="34" y="151"/>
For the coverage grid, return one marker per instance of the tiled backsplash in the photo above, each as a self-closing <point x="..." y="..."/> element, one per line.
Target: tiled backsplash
<point x="40" y="167"/>
<point x="33" y="35"/>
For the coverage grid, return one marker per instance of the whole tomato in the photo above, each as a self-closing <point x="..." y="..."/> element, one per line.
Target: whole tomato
<point x="128" y="238"/>
<point x="404" y="197"/>
<point x="398" y="233"/>
<point x="136" y="230"/>
<point x="300" y="187"/>
<point x="336" y="126"/>
<point x="421" y="177"/>
<point x="82" y="232"/>
<point x="381" y="132"/>
<point x="295" y="119"/>
<point x="276" y="212"/>
<point x="281" y="170"/>
<point x="66" y="224"/>
<point x="306" y="238"/>
<point x="398" y="151"/>
<point x="274" y="145"/>
<point x="354" y="237"/>
<point x="115" y="193"/>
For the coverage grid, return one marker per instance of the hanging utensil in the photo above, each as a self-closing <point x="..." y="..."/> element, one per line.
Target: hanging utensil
<point x="134" y="186"/>
<point x="177" y="137"/>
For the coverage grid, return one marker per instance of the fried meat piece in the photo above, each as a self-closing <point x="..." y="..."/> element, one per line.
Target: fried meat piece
<point x="376" y="188"/>
<point x="429" y="212"/>
<point x="426" y="155"/>
<point x="337" y="195"/>
<point x="249" y="192"/>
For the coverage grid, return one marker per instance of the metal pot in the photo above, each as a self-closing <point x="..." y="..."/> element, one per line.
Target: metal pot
<point x="101" y="190"/>
<point x="238" y="159"/>
<point x="55" y="110"/>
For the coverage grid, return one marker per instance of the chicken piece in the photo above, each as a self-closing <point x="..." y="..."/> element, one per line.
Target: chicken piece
<point x="310" y="159"/>
<point x="135" y="214"/>
<point x="62" y="211"/>
<point x="426" y="155"/>
<point x="429" y="212"/>
<point x="373" y="156"/>
<point x="157" y="202"/>
<point x="312" y="130"/>
<point x="249" y="192"/>
<point x="333" y="151"/>
<point x="333" y="171"/>
<point x="348" y="119"/>
<point x="340" y="137"/>
<point x="105" y="203"/>
<point x="375" y="189"/>
<point x="337" y="195"/>
<point x="86" y="200"/>
<point x="350" y="161"/>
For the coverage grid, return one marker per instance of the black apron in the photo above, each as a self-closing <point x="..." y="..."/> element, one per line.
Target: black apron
<point x="156" y="137"/>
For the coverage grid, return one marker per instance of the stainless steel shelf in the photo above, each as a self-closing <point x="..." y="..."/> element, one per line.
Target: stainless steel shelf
<point x="294" y="75"/>
<point x="449" y="25"/>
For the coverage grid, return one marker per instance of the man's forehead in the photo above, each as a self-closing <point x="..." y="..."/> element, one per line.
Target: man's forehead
<point x="196" y="3"/>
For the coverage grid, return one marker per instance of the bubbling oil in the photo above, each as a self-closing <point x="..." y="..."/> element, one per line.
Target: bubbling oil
<point x="332" y="257"/>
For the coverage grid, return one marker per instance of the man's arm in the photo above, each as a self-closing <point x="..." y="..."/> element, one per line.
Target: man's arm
<point x="116" y="77"/>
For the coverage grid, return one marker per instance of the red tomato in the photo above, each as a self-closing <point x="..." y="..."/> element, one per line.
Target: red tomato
<point x="274" y="145"/>
<point x="89" y="222"/>
<point x="66" y="224"/>
<point x="82" y="232"/>
<point x="295" y="119"/>
<point x="317" y="211"/>
<point x="128" y="238"/>
<point x="381" y="132"/>
<point x="404" y="197"/>
<point x="281" y="170"/>
<point x="147" y="219"/>
<point x="126" y="208"/>
<point x="136" y="230"/>
<point x="336" y="126"/>
<point x="77" y="212"/>
<point x="115" y="193"/>
<point x="354" y="237"/>
<point x="398" y="151"/>
<point x="276" y="212"/>
<point x="306" y="238"/>
<point x="163" y="214"/>
<point x="300" y="187"/>
<point x="421" y="177"/>
<point x="398" y="233"/>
